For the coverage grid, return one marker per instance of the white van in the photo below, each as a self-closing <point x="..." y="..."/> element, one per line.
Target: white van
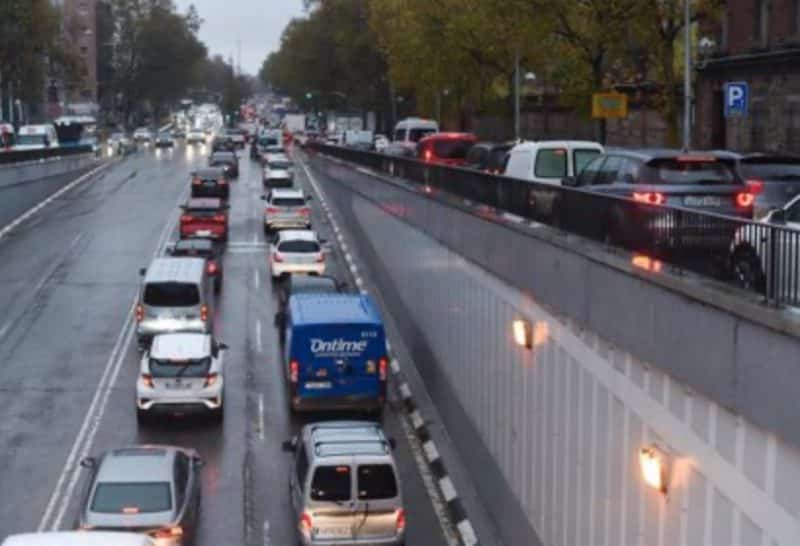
<point x="550" y="161"/>
<point x="407" y="133"/>
<point x="78" y="538"/>
<point x="36" y="137"/>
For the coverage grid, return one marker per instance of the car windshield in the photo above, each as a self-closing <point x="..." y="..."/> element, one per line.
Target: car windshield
<point x="781" y="169"/>
<point x="132" y="498"/>
<point x="298" y="246"/>
<point x="415" y="135"/>
<point x="331" y="483"/>
<point x="686" y="172"/>
<point x="31" y="140"/>
<point x="180" y="368"/>
<point x="376" y="481"/>
<point x="288" y="201"/>
<point x="171" y="294"/>
<point x="452" y="148"/>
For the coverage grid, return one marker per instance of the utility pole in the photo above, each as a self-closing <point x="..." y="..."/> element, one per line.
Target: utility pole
<point x="687" y="75"/>
<point x="516" y="95"/>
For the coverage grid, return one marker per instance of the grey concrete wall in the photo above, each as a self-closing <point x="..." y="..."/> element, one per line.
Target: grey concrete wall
<point x="626" y="360"/>
<point x="23" y="185"/>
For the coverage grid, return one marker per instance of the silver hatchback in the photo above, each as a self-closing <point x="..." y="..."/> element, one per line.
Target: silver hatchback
<point x="344" y="486"/>
<point x="154" y="490"/>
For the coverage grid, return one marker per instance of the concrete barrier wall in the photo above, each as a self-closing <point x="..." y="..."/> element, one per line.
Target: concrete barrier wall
<point x="552" y="434"/>
<point x="23" y="185"/>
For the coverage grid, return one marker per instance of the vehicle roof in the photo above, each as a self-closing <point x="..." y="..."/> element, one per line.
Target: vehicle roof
<point x="77" y="538"/>
<point x="181" y="346"/>
<point x="308" y="309"/>
<point x="449" y="136"/>
<point x="297" y="235"/>
<point x="416" y="122"/>
<point x="536" y="144"/>
<point x="195" y="243"/>
<point x="495" y="145"/>
<point x="647" y="154"/>
<point x="38" y="128"/>
<point x="137" y="464"/>
<point x="287" y="192"/>
<point x="341" y="438"/>
<point x="208" y="173"/>
<point x="209" y="203"/>
<point x="181" y="270"/>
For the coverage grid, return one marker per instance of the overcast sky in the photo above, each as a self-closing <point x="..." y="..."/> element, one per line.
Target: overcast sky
<point x="258" y="24"/>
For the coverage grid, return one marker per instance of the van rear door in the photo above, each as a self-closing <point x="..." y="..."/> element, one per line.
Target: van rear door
<point x="342" y="361"/>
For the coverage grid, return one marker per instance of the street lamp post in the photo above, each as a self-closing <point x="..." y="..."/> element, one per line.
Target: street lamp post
<point x="516" y="95"/>
<point x="687" y="76"/>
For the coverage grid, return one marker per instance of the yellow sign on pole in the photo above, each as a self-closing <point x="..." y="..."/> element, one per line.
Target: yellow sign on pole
<point x="609" y="105"/>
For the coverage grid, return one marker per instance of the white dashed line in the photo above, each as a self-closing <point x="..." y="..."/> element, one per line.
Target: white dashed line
<point x="261" y="421"/>
<point x="258" y="336"/>
<point x="256" y="278"/>
<point x="395" y="364"/>
<point x="266" y="534"/>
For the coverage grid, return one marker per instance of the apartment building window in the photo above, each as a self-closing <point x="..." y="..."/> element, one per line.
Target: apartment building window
<point x="761" y="22"/>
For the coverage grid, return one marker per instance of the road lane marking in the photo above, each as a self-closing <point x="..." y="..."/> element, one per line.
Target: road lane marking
<point x="94" y="415"/>
<point x="258" y="336"/>
<point x="36" y="208"/>
<point x="261" y="417"/>
<point x="256" y="278"/>
<point x="266" y="534"/>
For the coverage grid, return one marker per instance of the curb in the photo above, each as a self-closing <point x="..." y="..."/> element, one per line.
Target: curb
<point x="446" y="489"/>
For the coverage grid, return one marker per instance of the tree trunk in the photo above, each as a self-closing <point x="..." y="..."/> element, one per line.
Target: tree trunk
<point x="670" y="97"/>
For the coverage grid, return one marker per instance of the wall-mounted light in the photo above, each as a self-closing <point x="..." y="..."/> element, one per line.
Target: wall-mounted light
<point x="655" y="465"/>
<point x="523" y="333"/>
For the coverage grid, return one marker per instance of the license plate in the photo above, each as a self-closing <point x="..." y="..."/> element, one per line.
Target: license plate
<point x="316" y="385"/>
<point x="204" y="232"/>
<point x="707" y="201"/>
<point x="179" y="386"/>
<point x="339" y="531"/>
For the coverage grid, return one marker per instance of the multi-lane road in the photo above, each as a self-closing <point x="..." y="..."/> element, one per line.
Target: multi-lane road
<point x="68" y="278"/>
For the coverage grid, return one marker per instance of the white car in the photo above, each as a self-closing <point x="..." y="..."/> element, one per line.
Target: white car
<point x="78" y="538"/>
<point x="143" y="134"/>
<point x="196" y="136"/>
<point x="381" y="143"/>
<point x="181" y="373"/>
<point x="751" y="250"/>
<point x="286" y="208"/>
<point x="278" y="172"/>
<point x="550" y="161"/>
<point x="296" y="251"/>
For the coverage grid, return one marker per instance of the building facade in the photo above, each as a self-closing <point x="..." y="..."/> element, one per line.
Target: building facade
<point x="757" y="42"/>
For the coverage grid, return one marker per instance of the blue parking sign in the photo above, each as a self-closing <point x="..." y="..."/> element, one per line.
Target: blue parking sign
<point x="736" y="96"/>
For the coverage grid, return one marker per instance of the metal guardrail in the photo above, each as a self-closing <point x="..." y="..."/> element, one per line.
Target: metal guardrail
<point x="20" y="156"/>
<point x="760" y="257"/>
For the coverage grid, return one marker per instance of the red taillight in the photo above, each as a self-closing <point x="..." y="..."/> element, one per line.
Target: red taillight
<point x="186" y="218"/>
<point x="306" y="523"/>
<point x="745" y="199"/>
<point x="222" y="181"/>
<point x="147" y="379"/>
<point x="219" y="218"/>
<point x="305" y="211"/>
<point x="755" y="186"/>
<point x="169" y="532"/>
<point x="272" y="210"/>
<point x="203" y="312"/>
<point x="211" y="268"/>
<point x="139" y="313"/>
<point x="277" y="258"/>
<point x="294" y="371"/>
<point x="211" y="379"/>
<point x="428" y="155"/>
<point x="320" y="258"/>
<point x="383" y="368"/>
<point x="650" y="198"/>
<point x="400" y="522"/>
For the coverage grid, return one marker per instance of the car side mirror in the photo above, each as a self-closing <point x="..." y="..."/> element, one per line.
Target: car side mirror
<point x="142" y="271"/>
<point x="280" y="319"/>
<point x="392" y="443"/>
<point x="89" y="462"/>
<point x="569" y="181"/>
<point x="778" y="216"/>
<point x="290" y="446"/>
<point x="222" y="346"/>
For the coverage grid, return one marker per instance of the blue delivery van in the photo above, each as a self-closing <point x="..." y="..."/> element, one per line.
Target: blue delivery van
<point x="335" y="353"/>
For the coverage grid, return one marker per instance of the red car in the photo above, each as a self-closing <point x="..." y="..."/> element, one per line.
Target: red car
<point x="446" y="148"/>
<point x="205" y="217"/>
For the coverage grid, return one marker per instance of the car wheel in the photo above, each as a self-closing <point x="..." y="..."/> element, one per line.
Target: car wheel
<point x="218" y="285"/>
<point x="218" y="416"/>
<point x="747" y="271"/>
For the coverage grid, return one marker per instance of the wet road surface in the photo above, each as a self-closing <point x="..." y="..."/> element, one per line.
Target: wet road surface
<point x="68" y="278"/>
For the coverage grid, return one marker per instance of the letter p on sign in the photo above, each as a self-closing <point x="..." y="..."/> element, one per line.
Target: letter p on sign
<point x="736" y="99"/>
